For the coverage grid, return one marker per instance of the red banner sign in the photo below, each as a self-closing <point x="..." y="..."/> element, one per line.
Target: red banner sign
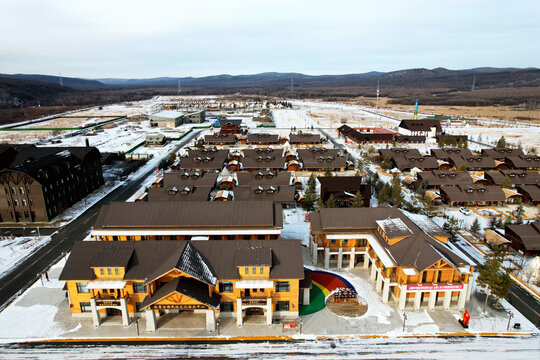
<point x="434" y="287"/>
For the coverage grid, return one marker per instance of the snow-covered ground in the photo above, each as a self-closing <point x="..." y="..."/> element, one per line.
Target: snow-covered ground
<point x="15" y="249"/>
<point x="295" y="225"/>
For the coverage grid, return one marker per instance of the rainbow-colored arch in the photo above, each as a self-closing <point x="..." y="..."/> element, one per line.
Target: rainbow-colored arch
<point x="324" y="282"/>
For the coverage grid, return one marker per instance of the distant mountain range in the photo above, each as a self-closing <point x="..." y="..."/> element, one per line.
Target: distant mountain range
<point x="428" y="78"/>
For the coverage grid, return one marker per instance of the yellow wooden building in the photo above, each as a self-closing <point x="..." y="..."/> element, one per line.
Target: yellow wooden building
<point x="409" y="261"/>
<point x="156" y="279"/>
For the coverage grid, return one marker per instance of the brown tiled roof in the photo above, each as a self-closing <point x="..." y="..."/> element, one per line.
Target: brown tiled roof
<point x="276" y="178"/>
<point x="220" y="139"/>
<point x="399" y="151"/>
<point x="254" y="256"/>
<point x="410" y="138"/>
<point x="113" y="257"/>
<point x="321" y="158"/>
<point x="193" y="214"/>
<point x="174" y="193"/>
<point x="204" y="159"/>
<point x="276" y="194"/>
<point x="408" y="162"/>
<point x="517" y="177"/>
<point x="263" y="138"/>
<point x="501" y="153"/>
<point x="420" y="125"/>
<point x="304" y="138"/>
<point x="184" y="178"/>
<point x="532" y="190"/>
<point x="471" y="193"/>
<point x="524" y="161"/>
<point x="442" y="177"/>
<point x="528" y="234"/>
<point x="418" y="250"/>
<point x="152" y="259"/>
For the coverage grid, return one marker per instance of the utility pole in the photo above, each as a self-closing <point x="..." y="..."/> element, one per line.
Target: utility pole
<point x="377" y="106"/>
<point x="473" y="83"/>
<point x="60" y="79"/>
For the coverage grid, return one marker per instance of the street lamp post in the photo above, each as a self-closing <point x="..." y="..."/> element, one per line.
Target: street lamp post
<point x="510" y="316"/>
<point x="404" y="319"/>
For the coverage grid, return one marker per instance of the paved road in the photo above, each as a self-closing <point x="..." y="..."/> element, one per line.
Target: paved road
<point x="24" y="274"/>
<point x="524" y="302"/>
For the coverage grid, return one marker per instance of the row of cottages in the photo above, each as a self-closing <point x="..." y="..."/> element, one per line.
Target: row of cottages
<point x="186" y="185"/>
<point x="219" y="139"/>
<point x="407" y="262"/>
<point x="196" y="220"/>
<point x="407" y="159"/>
<point x="263" y="139"/>
<point x="269" y="159"/>
<point x="478" y="195"/>
<point x="489" y="159"/>
<point x="259" y="178"/>
<point x="377" y="136"/>
<point x="343" y="189"/>
<point x="525" y="238"/>
<point x="39" y="183"/>
<point x="264" y="159"/>
<point x="279" y="195"/>
<point x="304" y="138"/>
<point x="160" y="280"/>
<point x="423" y="127"/>
<point x="204" y="159"/>
<point x="321" y="159"/>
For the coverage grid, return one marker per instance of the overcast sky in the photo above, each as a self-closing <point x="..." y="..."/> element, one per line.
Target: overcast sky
<point x="113" y="38"/>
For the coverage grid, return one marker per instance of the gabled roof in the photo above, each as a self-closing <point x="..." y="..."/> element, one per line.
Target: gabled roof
<point x="533" y="191"/>
<point x="528" y="234"/>
<point x="419" y="250"/>
<point x="420" y="125"/>
<point x="474" y="192"/>
<point x="254" y="256"/>
<point x="152" y="259"/>
<point x="304" y="138"/>
<point x="185" y="286"/>
<point x="166" y="215"/>
<point x="184" y="178"/>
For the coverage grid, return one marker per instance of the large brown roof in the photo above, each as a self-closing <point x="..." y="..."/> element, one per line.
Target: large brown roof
<point x="321" y="158"/>
<point x="159" y="257"/>
<point x="446" y="153"/>
<point x="193" y="214"/>
<point x="204" y="159"/>
<point x="532" y="190"/>
<point x="220" y="139"/>
<point x="524" y="161"/>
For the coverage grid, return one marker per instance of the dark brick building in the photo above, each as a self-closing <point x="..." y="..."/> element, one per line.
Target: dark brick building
<point x="38" y="183"/>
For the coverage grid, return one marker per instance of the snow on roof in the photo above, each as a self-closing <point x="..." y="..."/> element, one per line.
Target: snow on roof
<point x="394" y="227"/>
<point x="168" y="114"/>
<point x="425" y="223"/>
<point x="64" y="153"/>
<point x="410" y="272"/>
<point x="192" y="263"/>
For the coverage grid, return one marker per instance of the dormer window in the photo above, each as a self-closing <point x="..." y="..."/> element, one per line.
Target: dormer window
<point x="478" y="159"/>
<point x="442" y="175"/>
<point x="470" y="159"/>
<point x="259" y="174"/>
<point x="522" y="175"/>
<point x="452" y="175"/>
<point x="469" y="190"/>
<point x="259" y="159"/>
<point x="184" y="175"/>
<point x="481" y="190"/>
<point x="320" y="159"/>
<point x="421" y="159"/>
<point x="258" y="190"/>
<point x="511" y="175"/>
